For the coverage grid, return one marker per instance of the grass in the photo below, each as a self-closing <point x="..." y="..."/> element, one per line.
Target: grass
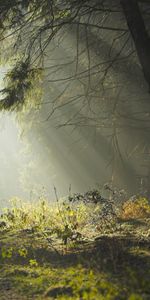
<point x="75" y="250"/>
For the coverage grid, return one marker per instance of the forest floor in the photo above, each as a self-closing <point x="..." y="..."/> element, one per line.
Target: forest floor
<point x="115" y="266"/>
<point x="76" y="251"/>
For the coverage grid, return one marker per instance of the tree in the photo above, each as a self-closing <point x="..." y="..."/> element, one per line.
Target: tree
<point x="28" y="28"/>
<point x="104" y="39"/>
<point x="139" y="33"/>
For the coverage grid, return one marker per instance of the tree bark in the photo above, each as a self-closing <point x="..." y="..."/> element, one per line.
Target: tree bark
<point x="139" y="34"/>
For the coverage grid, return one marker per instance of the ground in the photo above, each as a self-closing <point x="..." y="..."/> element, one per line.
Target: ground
<point x="113" y="266"/>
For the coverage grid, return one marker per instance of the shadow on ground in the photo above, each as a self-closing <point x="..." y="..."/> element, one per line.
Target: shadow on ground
<point x="111" y="267"/>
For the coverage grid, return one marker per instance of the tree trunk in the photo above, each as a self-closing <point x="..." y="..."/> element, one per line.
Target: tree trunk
<point x="139" y="34"/>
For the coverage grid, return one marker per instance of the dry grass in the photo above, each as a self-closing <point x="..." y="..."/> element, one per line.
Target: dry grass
<point x="137" y="209"/>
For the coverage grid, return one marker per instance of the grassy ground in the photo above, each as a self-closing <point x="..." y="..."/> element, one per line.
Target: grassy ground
<point x="38" y="263"/>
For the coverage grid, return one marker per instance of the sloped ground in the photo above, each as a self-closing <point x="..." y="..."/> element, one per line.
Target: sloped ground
<point x="113" y="266"/>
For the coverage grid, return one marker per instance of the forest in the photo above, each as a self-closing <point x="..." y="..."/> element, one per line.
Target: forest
<point x="75" y="149"/>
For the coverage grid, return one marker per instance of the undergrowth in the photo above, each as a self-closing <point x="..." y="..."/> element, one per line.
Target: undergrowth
<point x="83" y="247"/>
<point x="80" y="216"/>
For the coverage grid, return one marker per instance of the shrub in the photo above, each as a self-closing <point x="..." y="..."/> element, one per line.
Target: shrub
<point x="136" y="209"/>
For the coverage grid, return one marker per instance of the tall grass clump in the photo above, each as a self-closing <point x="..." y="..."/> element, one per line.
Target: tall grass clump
<point x="76" y="217"/>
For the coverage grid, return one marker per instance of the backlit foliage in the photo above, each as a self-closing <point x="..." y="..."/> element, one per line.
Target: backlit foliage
<point x="74" y="218"/>
<point x="20" y="82"/>
<point x="136" y="209"/>
<point x="26" y="28"/>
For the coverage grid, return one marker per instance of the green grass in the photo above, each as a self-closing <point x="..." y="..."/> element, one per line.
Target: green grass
<point x="61" y="252"/>
<point x="110" y="268"/>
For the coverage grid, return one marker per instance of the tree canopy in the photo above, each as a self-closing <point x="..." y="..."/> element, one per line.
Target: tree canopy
<point x="28" y="27"/>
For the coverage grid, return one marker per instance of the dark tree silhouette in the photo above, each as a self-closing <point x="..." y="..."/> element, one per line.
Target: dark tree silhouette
<point x="139" y="33"/>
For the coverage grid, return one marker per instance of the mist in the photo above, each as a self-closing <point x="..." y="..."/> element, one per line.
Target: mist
<point x="89" y="130"/>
